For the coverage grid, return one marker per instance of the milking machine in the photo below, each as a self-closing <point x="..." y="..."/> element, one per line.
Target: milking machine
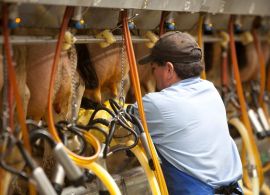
<point x="73" y="173"/>
<point x="230" y="98"/>
<point x="260" y="112"/>
<point x="244" y="116"/>
<point x="38" y="175"/>
<point x="108" y="120"/>
<point x="251" y="166"/>
<point x="263" y="112"/>
<point x="118" y="116"/>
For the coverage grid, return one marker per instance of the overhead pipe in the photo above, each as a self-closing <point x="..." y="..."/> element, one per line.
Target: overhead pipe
<point x="82" y="39"/>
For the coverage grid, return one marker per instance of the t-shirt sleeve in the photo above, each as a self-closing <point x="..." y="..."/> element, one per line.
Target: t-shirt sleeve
<point x="153" y="118"/>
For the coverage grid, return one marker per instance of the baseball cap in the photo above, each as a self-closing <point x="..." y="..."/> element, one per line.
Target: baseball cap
<point x="175" y="47"/>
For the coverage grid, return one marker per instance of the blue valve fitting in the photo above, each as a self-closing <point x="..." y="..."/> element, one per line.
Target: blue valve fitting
<point x="238" y="28"/>
<point x="77" y="24"/>
<point x="131" y="25"/>
<point x="208" y="29"/>
<point x="14" y="23"/>
<point x="170" y="25"/>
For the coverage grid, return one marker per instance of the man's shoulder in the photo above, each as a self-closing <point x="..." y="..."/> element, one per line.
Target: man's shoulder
<point x="154" y="96"/>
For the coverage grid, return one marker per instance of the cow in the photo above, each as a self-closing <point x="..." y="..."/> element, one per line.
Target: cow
<point x="39" y="62"/>
<point x="103" y="71"/>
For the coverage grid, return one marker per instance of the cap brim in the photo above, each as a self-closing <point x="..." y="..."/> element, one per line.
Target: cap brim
<point x="145" y="60"/>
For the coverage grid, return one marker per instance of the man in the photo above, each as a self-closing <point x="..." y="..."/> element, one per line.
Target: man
<point x="187" y="122"/>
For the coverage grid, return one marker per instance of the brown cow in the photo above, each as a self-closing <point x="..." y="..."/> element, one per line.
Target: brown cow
<point x="20" y="65"/>
<point x="39" y="62"/>
<point x="35" y="61"/>
<point x="106" y="65"/>
<point x="147" y="80"/>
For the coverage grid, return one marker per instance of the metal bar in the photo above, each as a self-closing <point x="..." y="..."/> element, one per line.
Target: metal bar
<point x="50" y="39"/>
<point x="24" y="40"/>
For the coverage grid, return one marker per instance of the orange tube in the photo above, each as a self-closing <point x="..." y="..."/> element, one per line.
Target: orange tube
<point x="161" y="24"/>
<point x="12" y="79"/>
<point x="67" y="15"/>
<point x="266" y="168"/>
<point x="78" y="159"/>
<point x="268" y="79"/>
<point x="224" y="70"/>
<point x="138" y="96"/>
<point x="262" y="65"/>
<point x="262" y="71"/>
<point x="240" y="94"/>
<point x="10" y="107"/>
<point x="200" y="41"/>
<point x="13" y="84"/>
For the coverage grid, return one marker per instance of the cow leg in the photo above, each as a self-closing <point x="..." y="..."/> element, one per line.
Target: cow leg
<point x="93" y="94"/>
<point x="114" y="89"/>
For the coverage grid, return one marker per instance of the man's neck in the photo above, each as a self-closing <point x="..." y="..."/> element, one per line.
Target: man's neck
<point x="174" y="80"/>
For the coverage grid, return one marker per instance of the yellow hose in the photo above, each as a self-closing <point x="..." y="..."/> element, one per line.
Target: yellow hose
<point x="265" y="189"/>
<point x="245" y="190"/>
<point x="103" y="175"/>
<point x="251" y="157"/>
<point x="139" y="153"/>
<point x="137" y="150"/>
<point x="86" y="160"/>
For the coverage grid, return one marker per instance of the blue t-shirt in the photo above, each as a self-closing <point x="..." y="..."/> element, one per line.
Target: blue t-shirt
<point x="187" y="123"/>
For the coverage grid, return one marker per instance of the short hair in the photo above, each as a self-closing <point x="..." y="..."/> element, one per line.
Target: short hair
<point x="185" y="70"/>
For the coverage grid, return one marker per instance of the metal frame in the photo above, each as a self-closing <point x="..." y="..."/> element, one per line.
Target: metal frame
<point x="243" y="7"/>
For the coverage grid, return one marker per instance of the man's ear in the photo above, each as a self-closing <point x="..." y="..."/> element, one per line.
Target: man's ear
<point x="170" y="69"/>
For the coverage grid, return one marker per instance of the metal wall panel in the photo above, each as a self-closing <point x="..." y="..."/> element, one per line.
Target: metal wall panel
<point x="50" y="16"/>
<point x="245" y="7"/>
<point x="147" y="19"/>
